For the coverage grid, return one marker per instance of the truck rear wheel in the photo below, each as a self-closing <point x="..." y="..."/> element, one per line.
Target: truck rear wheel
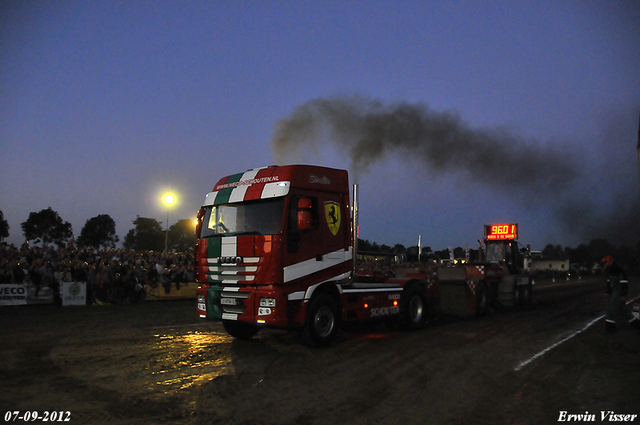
<point x="322" y="322"/>
<point x="240" y="330"/>
<point x="413" y="314"/>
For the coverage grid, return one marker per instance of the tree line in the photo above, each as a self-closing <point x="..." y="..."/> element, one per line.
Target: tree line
<point x="147" y="234"/>
<point x="47" y="227"/>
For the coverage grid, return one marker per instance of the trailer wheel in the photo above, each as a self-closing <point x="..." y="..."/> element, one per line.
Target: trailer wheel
<point x="527" y="294"/>
<point x="413" y="315"/>
<point x="240" y="330"/>
<point x="322" y="322"/>
<point x="482" y="300"/>
<point x="507" y="291"/>
<point x="517" y="295"/>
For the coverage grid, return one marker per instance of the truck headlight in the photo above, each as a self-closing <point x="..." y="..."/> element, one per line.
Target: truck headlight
<point x="202" y="305"/>
<point x="268" y="302"/>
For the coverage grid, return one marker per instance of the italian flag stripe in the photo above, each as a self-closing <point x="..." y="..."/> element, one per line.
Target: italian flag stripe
<point x="229" y="246"/>
<point x="237" y="195"/>
<point x="221" y="247"/>
<point x="255" y="191"/>
<point x="214" y="247"/>
<point x="224" y="194"/>
<point x="234" y="178"/>
<point x="253" y="184"/>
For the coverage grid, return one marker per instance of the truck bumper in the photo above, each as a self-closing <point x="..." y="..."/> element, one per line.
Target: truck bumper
<point x="243" y="304"/>
<point x="208" y="302"/>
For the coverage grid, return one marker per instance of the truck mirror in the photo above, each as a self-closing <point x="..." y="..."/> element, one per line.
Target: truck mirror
<point x="304" y="214"/>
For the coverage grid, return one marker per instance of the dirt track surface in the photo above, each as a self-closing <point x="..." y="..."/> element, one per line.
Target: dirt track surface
<point x="156" y="363"/>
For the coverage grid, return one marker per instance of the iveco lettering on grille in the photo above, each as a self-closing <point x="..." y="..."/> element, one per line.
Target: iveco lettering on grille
<point x="229" y="260"/>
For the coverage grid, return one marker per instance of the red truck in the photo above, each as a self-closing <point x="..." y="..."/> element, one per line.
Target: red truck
<point x="276" y="249"/>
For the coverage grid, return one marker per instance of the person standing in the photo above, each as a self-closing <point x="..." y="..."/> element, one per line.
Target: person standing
<point x="617" y="289"/>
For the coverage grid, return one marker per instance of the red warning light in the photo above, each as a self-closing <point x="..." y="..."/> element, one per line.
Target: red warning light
<point x="366" y="305"/>
<point x="395" y="303"/>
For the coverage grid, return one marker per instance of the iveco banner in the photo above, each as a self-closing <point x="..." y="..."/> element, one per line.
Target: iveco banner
<point x="11" y="294"/>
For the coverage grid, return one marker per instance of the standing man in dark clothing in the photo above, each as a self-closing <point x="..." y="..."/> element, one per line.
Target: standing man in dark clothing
<point x="617" y="288"/>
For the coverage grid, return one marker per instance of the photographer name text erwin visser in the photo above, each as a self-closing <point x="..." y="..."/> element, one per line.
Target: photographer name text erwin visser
<point x="605" y="416"/>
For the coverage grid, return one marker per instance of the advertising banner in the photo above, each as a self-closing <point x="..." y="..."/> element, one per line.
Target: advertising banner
<point x="42" y="295"/>
<point x="12" y="294"/>
<point x="73" y="293"/>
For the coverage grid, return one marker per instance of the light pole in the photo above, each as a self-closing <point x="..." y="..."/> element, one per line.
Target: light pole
<point x="168" y="200"/>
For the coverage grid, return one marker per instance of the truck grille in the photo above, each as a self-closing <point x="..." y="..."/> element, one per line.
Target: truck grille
<point x="232" y="273"/>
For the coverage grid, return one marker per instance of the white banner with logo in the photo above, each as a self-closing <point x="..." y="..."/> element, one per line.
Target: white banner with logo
<point x="12" y="294"/>
<point x="73" y="293"/>
<point x="44" y="295"/>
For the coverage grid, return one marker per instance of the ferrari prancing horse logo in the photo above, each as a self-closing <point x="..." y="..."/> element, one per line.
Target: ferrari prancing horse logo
<point x="332" y="214"/>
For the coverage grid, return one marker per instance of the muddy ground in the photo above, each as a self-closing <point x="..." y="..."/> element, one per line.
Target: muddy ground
<point x="156" y="363"/>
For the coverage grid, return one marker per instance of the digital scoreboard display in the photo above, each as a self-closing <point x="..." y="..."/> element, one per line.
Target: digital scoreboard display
<point x="494" y="232"/>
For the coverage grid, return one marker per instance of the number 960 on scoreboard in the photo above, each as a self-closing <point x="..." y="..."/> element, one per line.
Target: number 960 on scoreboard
<point x="494" y="232"/>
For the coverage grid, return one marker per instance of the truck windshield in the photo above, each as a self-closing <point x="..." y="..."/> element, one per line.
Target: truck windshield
<point x="495" y="252"/>
<point x="262" y="217"/>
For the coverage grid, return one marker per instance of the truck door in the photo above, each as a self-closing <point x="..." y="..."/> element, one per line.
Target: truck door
<point x="317" y="237"/>
<point x="304" y="240"/>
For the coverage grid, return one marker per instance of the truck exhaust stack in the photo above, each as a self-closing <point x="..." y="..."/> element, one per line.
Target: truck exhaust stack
<point x="355" y="230"/>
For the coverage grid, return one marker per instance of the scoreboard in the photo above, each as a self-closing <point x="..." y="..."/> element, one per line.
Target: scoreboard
<point x="494" y="232"/>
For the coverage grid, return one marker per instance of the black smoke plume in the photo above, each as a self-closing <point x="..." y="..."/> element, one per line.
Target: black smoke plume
<point x="369" y="130"/>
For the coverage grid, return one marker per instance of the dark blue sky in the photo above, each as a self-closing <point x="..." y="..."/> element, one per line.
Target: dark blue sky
<point x="104" y="105"/>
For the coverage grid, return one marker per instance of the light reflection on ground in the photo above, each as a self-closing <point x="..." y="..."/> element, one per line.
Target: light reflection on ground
<point x="147" y="362"/>
<point x="184" y="360"/>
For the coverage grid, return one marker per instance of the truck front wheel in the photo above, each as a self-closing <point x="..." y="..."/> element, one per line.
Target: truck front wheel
<point x="322" y="322"/>
<point x="240" y="330"/>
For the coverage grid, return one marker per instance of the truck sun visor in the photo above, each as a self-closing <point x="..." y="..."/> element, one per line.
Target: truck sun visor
<point x="246" y="190"/>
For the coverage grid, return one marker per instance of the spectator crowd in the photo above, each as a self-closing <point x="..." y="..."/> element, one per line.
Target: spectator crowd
<point x="115" y="275"/>
<point x="112" y="275"/>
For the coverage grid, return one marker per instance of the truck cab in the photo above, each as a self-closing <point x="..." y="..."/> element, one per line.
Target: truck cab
<point x="275" y="249"/>
<point x="265" y="237"/>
